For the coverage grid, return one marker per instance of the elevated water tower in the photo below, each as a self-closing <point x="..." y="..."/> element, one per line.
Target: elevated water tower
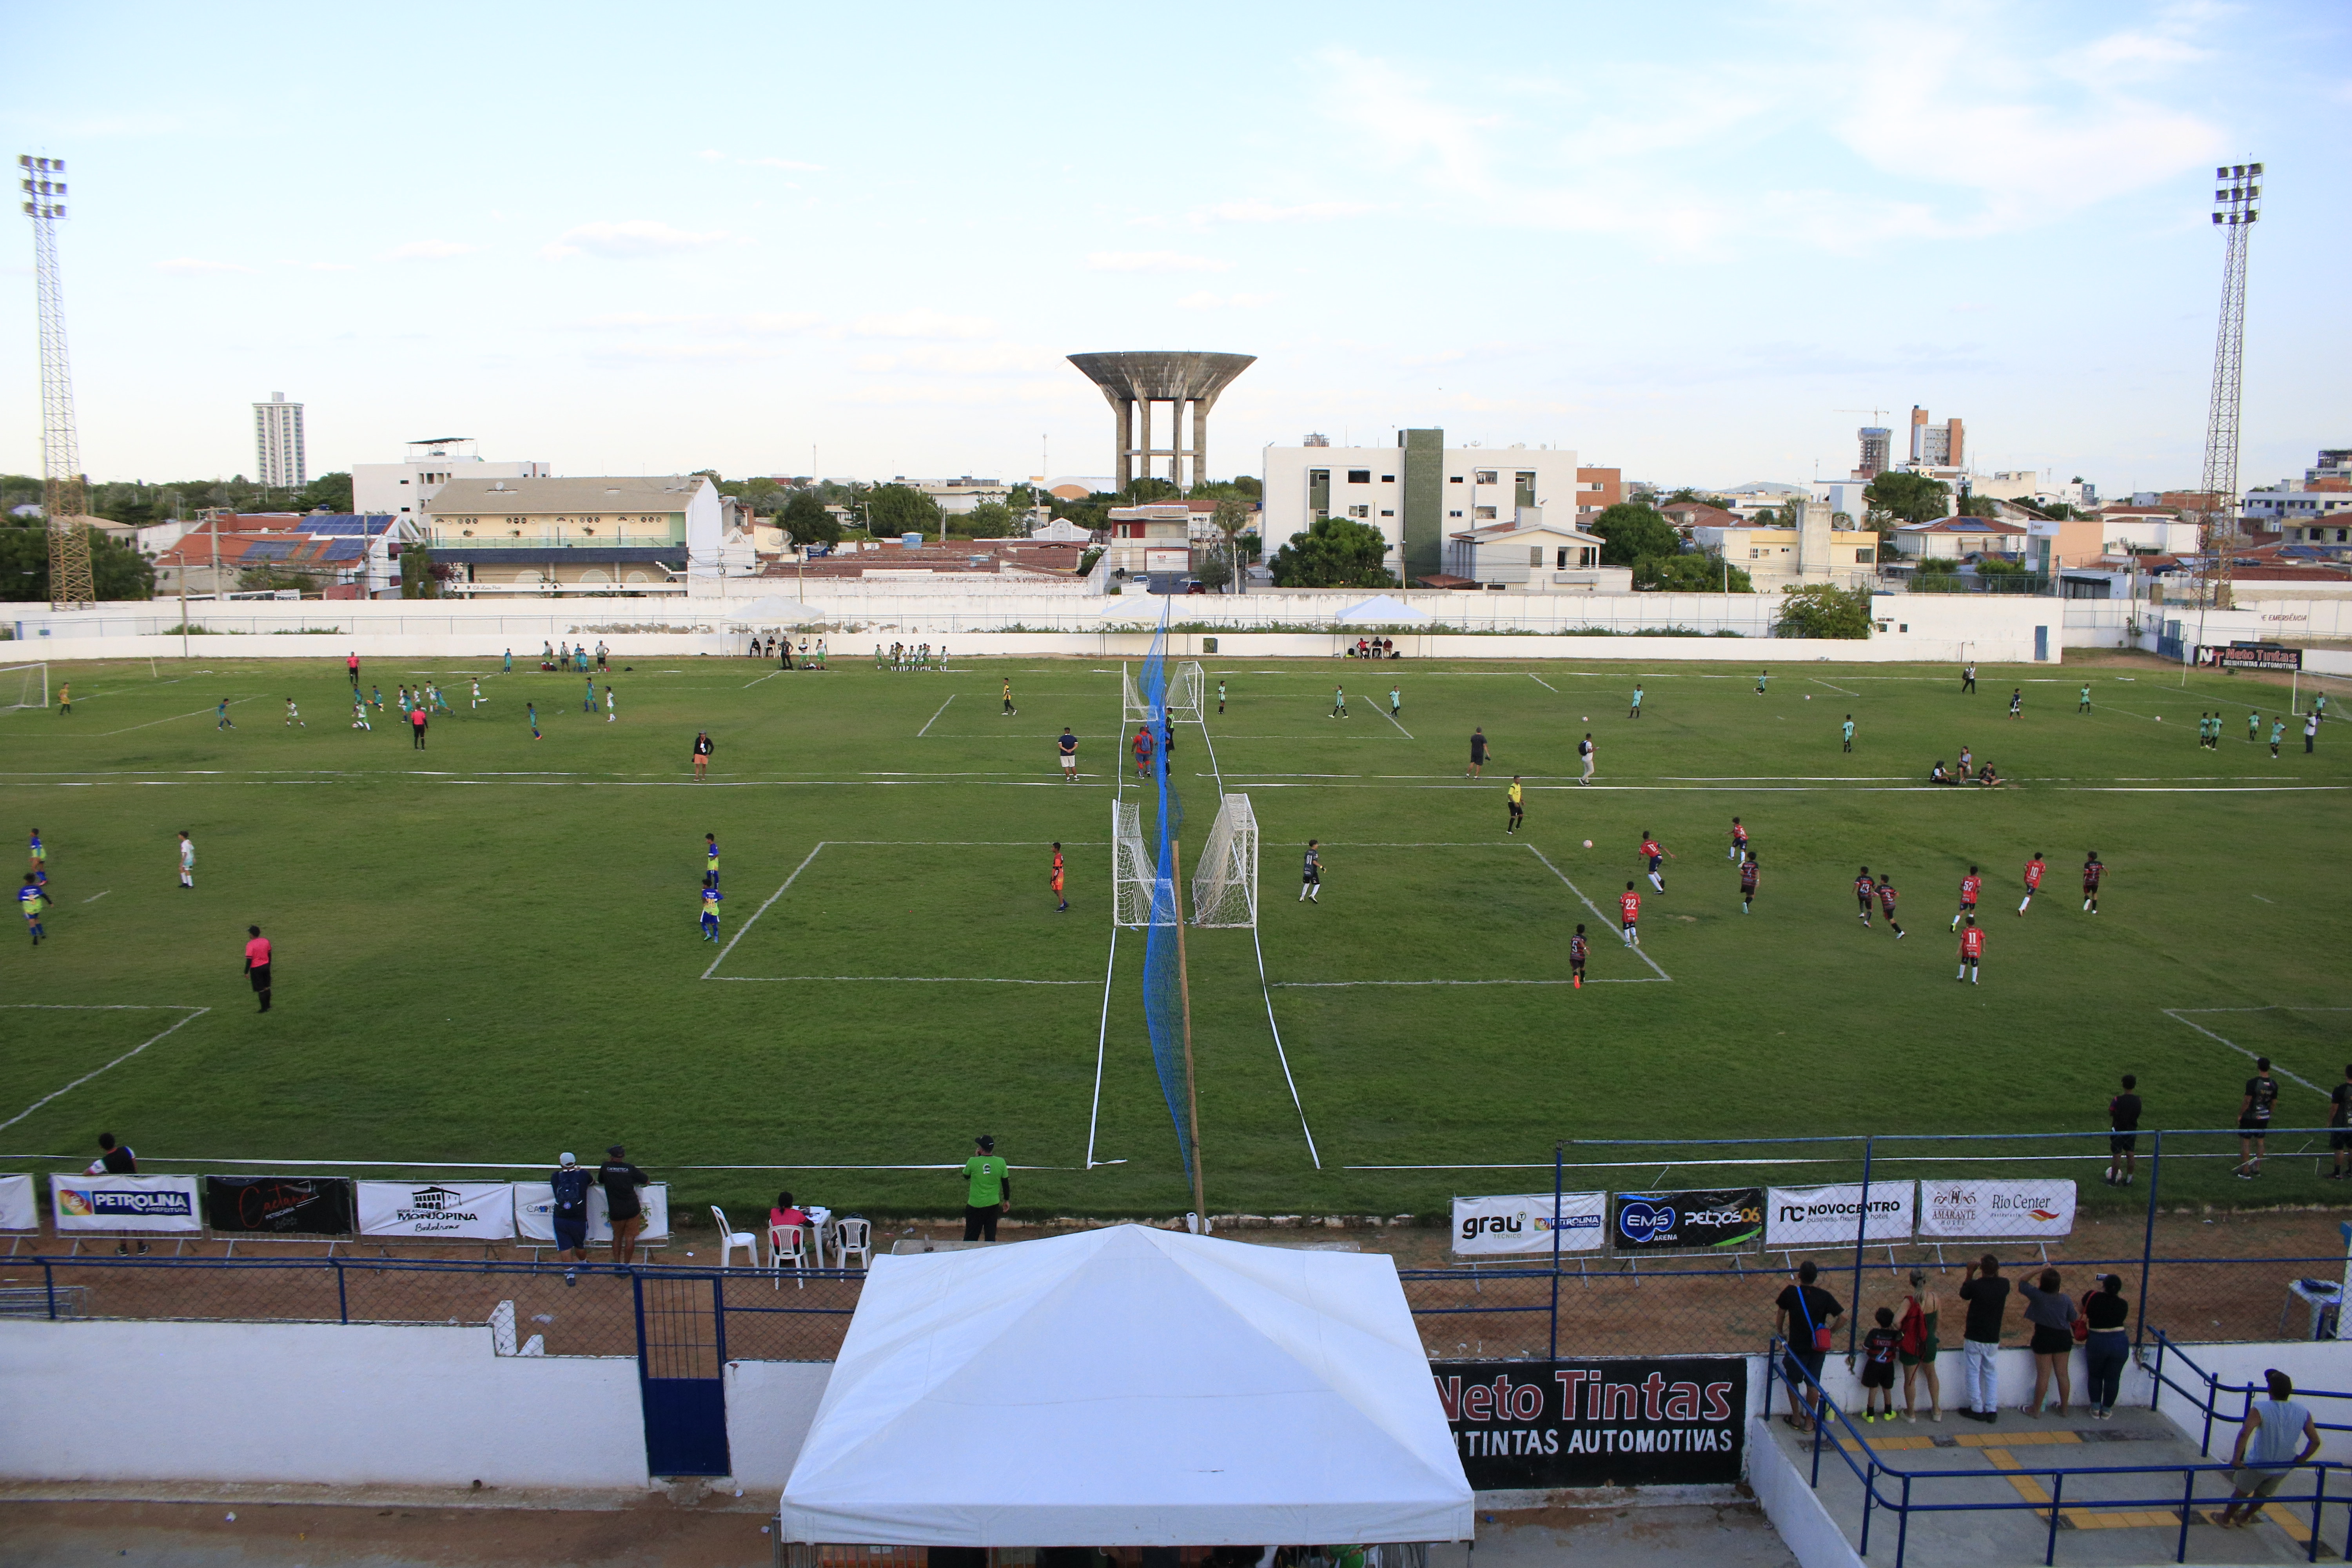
<point x="1132" y="382"/>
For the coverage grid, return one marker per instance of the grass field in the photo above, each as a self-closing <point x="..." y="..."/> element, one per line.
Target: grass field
<point x="488" y="951"/>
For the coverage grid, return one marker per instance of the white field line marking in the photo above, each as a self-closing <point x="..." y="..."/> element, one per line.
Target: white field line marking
<point x="192" y="1012"/>
<point x="1392" y="718"/>
<point x="934" y="718"/>
<point x="762" y="909"/>
<point x="95" y="897"/>
<point x="152" y="723"/>
<point x="1589" y="904"/>
<point x="1817" y="680"/>
<point x="1340" y="984"/>
<point x="1265" y="991"/>
<point x="770" y="675"/>
<point x="896" y="979"/>
<point x="2175" y="1014"/>
<point x="1102" y="1037"/>
<point x="1546" y="685"/>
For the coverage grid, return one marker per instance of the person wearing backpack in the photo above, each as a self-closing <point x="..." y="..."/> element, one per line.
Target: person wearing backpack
<point x="1922" y="1312"/>
<point x="1805" y="1318"/>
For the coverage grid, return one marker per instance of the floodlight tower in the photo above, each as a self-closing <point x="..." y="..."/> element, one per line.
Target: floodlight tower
<point x="63" y="493"/>
<point x="2234" y="212"/>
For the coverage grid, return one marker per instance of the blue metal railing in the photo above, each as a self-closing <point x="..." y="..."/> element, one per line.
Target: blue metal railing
<point x="2207" y="1396"/>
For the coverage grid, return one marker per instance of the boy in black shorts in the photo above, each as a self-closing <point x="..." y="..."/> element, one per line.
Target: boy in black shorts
<point x="1878" y="1348"/>
<point x="1747" y="874"/>
<point x="1578" y="949"/>
<point x="2123" y="1134"/>
<point x="2254" y="1119"/>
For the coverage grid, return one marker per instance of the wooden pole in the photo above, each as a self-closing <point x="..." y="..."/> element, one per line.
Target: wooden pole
<point x="1185" y="989"/>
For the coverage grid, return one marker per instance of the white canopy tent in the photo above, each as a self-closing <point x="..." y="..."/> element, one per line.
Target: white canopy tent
<point x="1382" y="610"/>
<point x="1130" y="1387"/>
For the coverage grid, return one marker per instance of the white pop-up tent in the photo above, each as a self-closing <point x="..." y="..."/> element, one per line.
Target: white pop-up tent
<point x="1130" y="1387"/>
<point x="1381" y="610"/>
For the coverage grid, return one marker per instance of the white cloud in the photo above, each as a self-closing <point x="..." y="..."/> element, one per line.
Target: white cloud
<point x="630" y="240"/>
<point x="921" y="323"/>
<point x="188" y="266"/>
<point x="431" y="250"/>
<point x="781" y="322"/>
<point x="640" y="319"/>
<point x="1268" y="212"/>
<point x="781" y="164"/>
<point x="1201" y="300"/>
<point x="1153" y="261"/>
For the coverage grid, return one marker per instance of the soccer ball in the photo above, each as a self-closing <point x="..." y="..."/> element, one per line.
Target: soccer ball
<point x="1587" y="844"/>
<point x="1809" y="697"/>
<point x="1587" y="717"/>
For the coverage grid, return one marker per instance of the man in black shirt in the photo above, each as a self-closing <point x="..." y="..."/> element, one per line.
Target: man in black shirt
<point x="1986" y="1294"/>
<point x="2123" y="1128"/>
<point x="2254" y="1119"/>
<point x="620" y="1180"/>
<point x="114" y="1160"/>
<point x="569" y="1184"/>
<point x="1805" y="1317"/>
<point x="2339" y="1125"/>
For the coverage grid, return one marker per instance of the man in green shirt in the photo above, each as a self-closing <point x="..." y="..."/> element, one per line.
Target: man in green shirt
<point x="989" y="1192"/>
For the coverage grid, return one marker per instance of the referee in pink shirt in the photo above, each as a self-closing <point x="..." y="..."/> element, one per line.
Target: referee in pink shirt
<point x="257" y="963"/>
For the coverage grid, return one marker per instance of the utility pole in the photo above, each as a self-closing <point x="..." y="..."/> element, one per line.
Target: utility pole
<point x="2234" y="212"/>
<point x="64" y="492"/>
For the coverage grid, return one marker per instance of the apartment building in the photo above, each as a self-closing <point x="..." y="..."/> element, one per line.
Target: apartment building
<point x="1419" y="491"/>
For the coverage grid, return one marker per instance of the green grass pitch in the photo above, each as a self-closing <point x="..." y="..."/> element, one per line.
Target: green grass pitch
<point x="488" y="951"/>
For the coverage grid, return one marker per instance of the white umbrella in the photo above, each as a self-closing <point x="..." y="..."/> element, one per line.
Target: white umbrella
<point x="777" y="612"/>
<point x="1382" y="610"/>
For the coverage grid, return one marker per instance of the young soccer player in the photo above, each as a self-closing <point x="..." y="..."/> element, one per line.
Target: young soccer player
<point x="2310" y="731"/>
<point x="2092" y="872"/>
<point x="64" y="700"/>
<point x="1009" y="710"/>
<point x="1887" y="902"/>
<point x="2033" y="870"/>
<point x="710" y="858"/>
<point x="2254" y="728"/>
<point x="30" y="900"/>
<point x="1310" y="875"/>
<point x="1865" y="887"/>
<point x="2083" y="706"/>
<point x="1221" y="695"/>
<point x="1748" y="886"/>
<point x="1967" y="678"/>
<point x="1970" y="886"/>
<point x="2254" y="1119"/>
<point x="1338" y="703"/>
<point x="1761" y="677"/>
<point x="1578" y="949"/>
<point x="294" y="716"/>
<point x="2123" y="1134"/>
<point x="1396" y="700"/>
<point x="611" y="709"/>
<point x="1068" y="748"/>
<point x="440" y="703"/>
<point x="531" y="711"/>
<point x="1141" y="747"/>
<point x="38" y="851"/>
<point x="377" y="693"/>
<point x="1847" y="730"/>
<point x="2340" y="1126"/>
<point x="187" y="861"/>
<point x="1519" y="809"/>
<point x="1057" y="878"/>
<point x="508" y="664"/>
<point x="588" y="701"/>
<point x="226" y="722"/>
<point x="1738" y="841"/>
<point x="1971" y="950"/>
<point x="1878" y="1348"/>
<point x="1657" y="854"/>
<point x="702" y="749"/>
<point x="400" y="699"/>
<point x="710" y="896"/>
<point x="358" y="712"/>
<point x="1629" y="915"/>
<point x="2278" y="733"/>
<point x="2016" y="701"/>
<point x="1585" y="752"/>
<point x="1635" y="711"/>
<point x="1477" y="753"/>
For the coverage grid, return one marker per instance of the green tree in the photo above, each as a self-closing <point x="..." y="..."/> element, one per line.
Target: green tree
<point x="417" y="578"/>
<point x="805" y="519"/>
<point x="117" y="571"/>
<point x="764" y="496"/>
<point x="1232" y="516"/>
<point x="1701" y="497"/>
<point x="900" y="508"/>
<point x="1690" y="574"/>
<point x="1631" y="532"/>
<point x="1824" y="611"/>
<point x="333" y="491"/>
<point x="1909" y="498"/>
<point x="1334" y="552"/>
<point x="989" y="520"/>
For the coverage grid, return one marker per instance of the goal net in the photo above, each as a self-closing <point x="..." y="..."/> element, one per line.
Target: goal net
<point x="1183" y="696"/>
<point x="24" y="686"/>
<point x="1225" y="876"/>
<point x="1135" y="870"/>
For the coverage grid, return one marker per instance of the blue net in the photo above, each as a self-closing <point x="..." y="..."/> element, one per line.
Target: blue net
<point x="1163" y="995"/>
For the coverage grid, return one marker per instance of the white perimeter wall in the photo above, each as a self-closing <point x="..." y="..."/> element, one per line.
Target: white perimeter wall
<point x="353" y="1404"/>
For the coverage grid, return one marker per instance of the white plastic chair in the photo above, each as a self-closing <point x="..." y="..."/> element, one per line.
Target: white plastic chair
<point x="788" y="1247"/>
<point x="729" y="1238"/>
<point x="853" y="1235"/>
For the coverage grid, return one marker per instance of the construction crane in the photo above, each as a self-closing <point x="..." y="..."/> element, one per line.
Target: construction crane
<point x="64" y="494"/>
<point x="2234" y="212"/>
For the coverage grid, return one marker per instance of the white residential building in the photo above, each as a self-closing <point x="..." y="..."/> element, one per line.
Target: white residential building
<point x="277" y="457"/>
<point x="589" y="535"/>
<point x="406" y="488"/>
<point x="1531" y="558"/>
<point x="1417" y="493"/>
<point x="1814" y="550"/>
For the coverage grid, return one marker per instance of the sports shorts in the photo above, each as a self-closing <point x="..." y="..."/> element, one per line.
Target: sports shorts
<point x="1310" y="879"/>
<point x="2251" y="1128"/>
<point x="2122" y="1143"/>
<point x="570" y="1234"/>
<point x="1070" y="762"/>
<point x="2339" y="1138"/>
<point x="2248" y="1481"/>
<point x="1878" y="1374"/>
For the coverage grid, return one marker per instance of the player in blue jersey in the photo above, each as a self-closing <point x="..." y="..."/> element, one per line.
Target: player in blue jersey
<point x="30" y="900"/>
<point x="710" y="896"/>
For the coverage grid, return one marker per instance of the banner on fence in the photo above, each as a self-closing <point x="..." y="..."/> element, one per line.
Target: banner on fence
<point x="18" y="1210"/>
<point x="1537" y="1423"/>
<point x="1997" y="1208"/>
<point x="1709" y="1219"/>
<point x="438" y="1211"/>
<point x="2249" y="656"/>
<point x="1498" y="1226"/>
<point x="1829" y="1216"/>
<point x="125" y="1203"/>
<point x="535" y="1213"/>
<point x="279" y="1206"/>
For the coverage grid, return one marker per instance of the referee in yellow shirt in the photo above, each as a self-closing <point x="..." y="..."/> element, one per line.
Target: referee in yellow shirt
<point x="1519" y="807"/>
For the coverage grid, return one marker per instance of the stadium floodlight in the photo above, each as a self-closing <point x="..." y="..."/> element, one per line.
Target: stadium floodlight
<point x="1225" y="877"/>
<point x="2235" y="212"/>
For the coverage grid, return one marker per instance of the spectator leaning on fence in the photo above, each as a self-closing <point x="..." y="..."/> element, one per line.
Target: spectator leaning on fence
<point x="988" y="1191"/>
<point x="2051" y="1313"/>
<point x="2266" y="1449"/>
<point x="1986" y="1294"/>
<point x="1805" y="1317"/>
<point x="620" y="1180"/>
<point x="570" y="1186"/>
<point x="1923" y="1313"/>
<point x="2107" y="1349"/>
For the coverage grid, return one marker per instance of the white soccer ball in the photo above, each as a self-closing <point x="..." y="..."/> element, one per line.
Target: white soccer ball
<point x="1587" y="844"/>
<point x="1587" y="717"/>
<point x="1809" y="697"/>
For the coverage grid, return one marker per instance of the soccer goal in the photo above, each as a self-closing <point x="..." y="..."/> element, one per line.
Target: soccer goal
<point x="24" y="686"/>
<point x="1134" y="869"/>
<point x="1225" y="877"/>
<point x="1183" y="697"/>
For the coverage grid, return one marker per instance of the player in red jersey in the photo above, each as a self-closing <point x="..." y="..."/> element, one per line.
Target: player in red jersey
<point x="1864" y="889"/>
<point x="1657" y="854"/>
<point x="1578" y="949"/>
<point x="1628" y="909"/>
<point x="1142" y="749"/>
<point x="2033" y="870"/>
<point x="1971" y="950"/>
<point x="1738" y="840"/>
<point x="1887" y="902"/>
<point x="1971" y="885"/>
<point x="2092" y="872"/>
<point x="1747" y="884"/>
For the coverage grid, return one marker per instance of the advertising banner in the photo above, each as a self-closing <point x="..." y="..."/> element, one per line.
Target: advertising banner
<point x="17" y="1208"/>
<point x="1497" y="1226"/>
<point x="535" y="1213"/>
<point x="279" y="1206"/>
<point x="1710" y="1219"/>
<point x="1827" y="1216"/>
<point x="125" y="1203"/>
<point x="2249" y="656"/>
<point x="1996" y="1209"/>
<point x="438" y="1211"/>
<point x="1632" y="1423"/>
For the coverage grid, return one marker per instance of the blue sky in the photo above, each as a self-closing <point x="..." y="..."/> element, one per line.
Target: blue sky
<point x="1684" y="240"/>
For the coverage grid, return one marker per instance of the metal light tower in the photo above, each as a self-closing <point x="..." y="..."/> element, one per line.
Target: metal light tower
<point x="63" y="494"/>
<point x="2234" y="212"/>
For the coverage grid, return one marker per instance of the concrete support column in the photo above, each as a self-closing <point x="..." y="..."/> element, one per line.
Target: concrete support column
<point x="1125" y="407"/>
<point x="1143" y="433"/>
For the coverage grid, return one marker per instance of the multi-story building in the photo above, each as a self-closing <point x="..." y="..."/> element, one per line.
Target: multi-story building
<point x="278" y="458"/>
<point x="2316" y="511"/>
<point x="406" y="488"/>
<point x="1529" y="558"/>
<point x="1813" y="550"/>
<point x="628" y="534"/>
<point x="1417" y="493"/>
<point x="1597" y="489"/>
<point x="1936" y="446"/>
<point x="1877" y="452"/>
<point x="1151" y="541"/>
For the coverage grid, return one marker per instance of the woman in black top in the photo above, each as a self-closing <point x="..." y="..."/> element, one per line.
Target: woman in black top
<point x="2052" y="1315"/>
<point x="2107" y="1349"/>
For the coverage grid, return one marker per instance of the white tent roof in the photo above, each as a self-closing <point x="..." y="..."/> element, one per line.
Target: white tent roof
<point x="775" y="612"/>
<point x="1130" y="1387"/>
<point x="1383" y="609"/>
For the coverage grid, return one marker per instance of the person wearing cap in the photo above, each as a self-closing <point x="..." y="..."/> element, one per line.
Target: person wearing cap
<point x="2272" y="1429"/>
<point x="988" y="1190"/>
<point x="569" y="1184"/>
<point x="620" y="1180"/>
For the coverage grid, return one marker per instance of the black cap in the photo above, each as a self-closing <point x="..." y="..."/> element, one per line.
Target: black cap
<point x="616" y="1150"/>
<point x="986" y="1143"/>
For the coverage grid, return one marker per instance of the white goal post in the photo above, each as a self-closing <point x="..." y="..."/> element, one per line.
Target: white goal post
<point x="1184" y="687"/>
<point x="1225" y="876"/>
<point x="24" y="686"/>
<point x="1134" y="869"/>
